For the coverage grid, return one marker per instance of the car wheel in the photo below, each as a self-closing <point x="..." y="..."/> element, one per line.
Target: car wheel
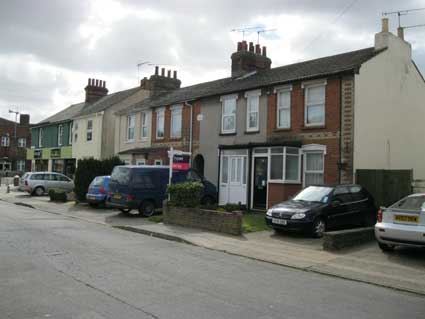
<point x="208" y="201"/>
<point x="147" y="208"/>
<point x="38" y="191"/>
<point x="125" y="210"/>
<point x="386" y="248"/>
<point x="319" y="227"/>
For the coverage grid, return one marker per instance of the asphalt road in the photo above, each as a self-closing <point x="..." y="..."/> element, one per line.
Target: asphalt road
<point x="57" y="267"/>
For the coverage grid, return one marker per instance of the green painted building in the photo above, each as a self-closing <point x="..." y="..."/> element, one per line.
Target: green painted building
<point x="51" y="146"/>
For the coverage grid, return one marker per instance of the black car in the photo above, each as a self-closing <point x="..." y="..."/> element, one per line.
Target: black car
<point x="316" y="209"/>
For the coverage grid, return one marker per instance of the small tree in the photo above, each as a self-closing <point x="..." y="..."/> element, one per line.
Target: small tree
<point x="187" y="194"/>
<point x="88" y="169"/>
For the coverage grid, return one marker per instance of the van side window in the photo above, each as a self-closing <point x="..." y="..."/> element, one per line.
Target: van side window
<point x="38" y="177"/>
<point x="142" y="180"/>
<point x="342" y="194"/>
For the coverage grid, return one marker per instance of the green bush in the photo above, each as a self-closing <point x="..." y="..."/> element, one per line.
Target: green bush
<point x="57" y="195"/>
<point x="88" y="169"/>
<point x="229" y="207"/>
<point x="187" y="194"/>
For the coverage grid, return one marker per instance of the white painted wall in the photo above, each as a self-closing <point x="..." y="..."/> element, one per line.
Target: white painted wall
<point x="389" y="110"/>
<point x="81" y="148"/>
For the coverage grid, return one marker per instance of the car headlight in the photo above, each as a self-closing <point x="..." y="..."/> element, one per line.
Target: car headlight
<point x="298" y="216"/>
<point x="269" y="212"/>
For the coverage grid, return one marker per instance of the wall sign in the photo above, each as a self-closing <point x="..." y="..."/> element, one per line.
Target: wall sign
<point x="55" y="153"/>
<point x="38" y="153"/>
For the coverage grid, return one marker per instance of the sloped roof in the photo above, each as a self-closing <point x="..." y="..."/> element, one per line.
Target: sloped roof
<point x="65" y="114"/>
<point x="326" y="66"/>
<point x="6" y="122"/>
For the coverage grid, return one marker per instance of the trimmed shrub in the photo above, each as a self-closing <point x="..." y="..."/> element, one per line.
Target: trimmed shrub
<point x="88" y="169"/>
<point x="229" y="207"/>
<point x="57" y="195"/>
<point x="187" y="194"/>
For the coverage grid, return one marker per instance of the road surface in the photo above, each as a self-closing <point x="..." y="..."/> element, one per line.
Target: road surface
<point x="57" y="267"/>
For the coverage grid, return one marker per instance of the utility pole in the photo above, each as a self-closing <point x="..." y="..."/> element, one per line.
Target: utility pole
<point x="16" y="119"/>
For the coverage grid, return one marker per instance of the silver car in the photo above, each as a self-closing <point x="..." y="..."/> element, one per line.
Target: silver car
<point x="402" y="224"/>
<point x="38" y="183"/>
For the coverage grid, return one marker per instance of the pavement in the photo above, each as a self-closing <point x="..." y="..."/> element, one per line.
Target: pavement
<point x="54" y="266"/>
<point x="403" y="269"/>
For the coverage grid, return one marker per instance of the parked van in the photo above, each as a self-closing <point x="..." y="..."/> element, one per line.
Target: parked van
<point x="144" y="187"/>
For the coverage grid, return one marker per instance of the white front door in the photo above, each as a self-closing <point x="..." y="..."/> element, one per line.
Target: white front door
<point x="233" y="180"/>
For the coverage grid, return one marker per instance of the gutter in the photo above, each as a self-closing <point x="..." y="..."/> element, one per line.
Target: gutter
<point x="190" y="128"/>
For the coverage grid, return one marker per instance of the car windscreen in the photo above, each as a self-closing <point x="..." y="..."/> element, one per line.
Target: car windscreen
<point x="416" y="203"/>
<point x="314" y="194"/>
<point x="121" y="175"/>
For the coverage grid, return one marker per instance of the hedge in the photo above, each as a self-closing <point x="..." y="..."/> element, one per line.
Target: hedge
<point x="88" y="169"/>
<point x="187" y="194"/>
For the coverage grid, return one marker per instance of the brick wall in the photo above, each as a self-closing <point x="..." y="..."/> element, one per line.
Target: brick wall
<point x="13" y="152"/>
<point x="347" y="126"/>
<point x="279" y="192"/>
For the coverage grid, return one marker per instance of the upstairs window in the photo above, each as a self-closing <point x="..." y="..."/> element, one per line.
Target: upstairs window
<point x="252" y="110"/>
<point x="131" y="123"/>
<point x="60" y="134"/>
<point x="144" y="125"/>
<point x="160" y="124"/>
<point x="176" y="122"/>
<point x="283" y="112"/>
<point x="89" y="130"/>
<point x="314" y="113"/>
<point x="228" y="114"/>
<point x="40" y="137"/>
<point x="5" y="141"/>
<point x="22" y="142"/>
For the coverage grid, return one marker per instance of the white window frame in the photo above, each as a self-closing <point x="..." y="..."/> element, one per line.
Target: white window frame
<point x="158" y="162"/>
<point x="284" y="154"/>
<point x="309" y="85"/>
<point x="144" y="124"/>
<point x="223" y="100"/>
<point x="176" y="110"/>
<point x="40" y="137"/>
<point x="71" y="128"/>
<point x="313" y="149"/>
<point x="131" y="118"/>
<point x="278" y="90"/>
<point x="160" y="113"/>
<point x="60" y="135"/>
<point x="89" y="130"/>
<point x="20" y="143"/>
<point x="252" y="96"/>
<point x="20" y="165"/>
<point x="141" y="162"/>
<point x="5" y="141"/>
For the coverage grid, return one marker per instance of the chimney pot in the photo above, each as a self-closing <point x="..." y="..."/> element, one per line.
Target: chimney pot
<point x="89" y="82"/>
<point x="251" y="47"/>
<point x="169" y="74"/>
<point x="244" y="46"/>
<point x="97" y="83"/>
<point x="156" y="70"/>
<point x="264" y="51"/>
<point x="385" y="27"/>
<point x="400" y="32"/>
<point x="162" y="71"/>
<point x="175" y="74"/>
<point x="257" y="49"/>
<point x="239" y="47"/>
<point x="104" y="84"/>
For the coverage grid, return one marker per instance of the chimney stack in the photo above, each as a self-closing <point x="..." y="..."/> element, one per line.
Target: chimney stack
<point x="160" y="84"/>
<point x="24" y="119"/>
<point x="95" y="90"/>
<point x="246" y="60"/>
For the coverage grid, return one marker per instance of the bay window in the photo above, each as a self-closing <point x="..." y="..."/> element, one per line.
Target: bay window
<point x="228" y="114"/>
<point x="285" y="164"/>
<point x="314" y="112"/>
<point x="176" y="121"/>
<point x="131" y="123"/>
<point x="5" y="141"/>
<point x="160" y="123"/>
<point x="252" y="110"/>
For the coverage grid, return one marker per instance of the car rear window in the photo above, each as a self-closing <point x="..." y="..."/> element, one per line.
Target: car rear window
<point x="121" y="175"/>
<point x="411" y="203"/>
<point x="98" y="181"/>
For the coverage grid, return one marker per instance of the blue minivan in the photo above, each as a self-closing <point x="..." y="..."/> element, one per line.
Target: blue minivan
<point x="144" y="187"/>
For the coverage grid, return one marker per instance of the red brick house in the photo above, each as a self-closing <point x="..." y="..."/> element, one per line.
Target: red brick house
<point x="13" y="148"/>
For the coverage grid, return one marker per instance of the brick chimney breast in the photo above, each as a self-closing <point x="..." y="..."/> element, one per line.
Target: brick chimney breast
<point x="24" y="119"/>
<point x="95" y="90"/>
<point x="244" y="61"/>
<point x="159" y="84"/>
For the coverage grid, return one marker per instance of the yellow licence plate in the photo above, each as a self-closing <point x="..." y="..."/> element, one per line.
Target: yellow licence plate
<point x="406" y="218"/>
<point x="117" y="196"/>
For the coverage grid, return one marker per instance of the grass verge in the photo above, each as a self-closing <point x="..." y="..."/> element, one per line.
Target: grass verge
<point x="252" y="222"/>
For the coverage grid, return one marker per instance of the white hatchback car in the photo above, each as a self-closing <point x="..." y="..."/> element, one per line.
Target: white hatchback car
<point x="402" y="224"/>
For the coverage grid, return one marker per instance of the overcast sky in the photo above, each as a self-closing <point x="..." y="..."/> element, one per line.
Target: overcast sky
<point x="50" y="48"/>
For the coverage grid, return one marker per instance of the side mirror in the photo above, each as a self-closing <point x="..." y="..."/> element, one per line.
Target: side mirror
<point x="335" y="203"/>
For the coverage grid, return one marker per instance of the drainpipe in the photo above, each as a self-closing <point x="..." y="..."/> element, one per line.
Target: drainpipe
<point x="190" y="129"/>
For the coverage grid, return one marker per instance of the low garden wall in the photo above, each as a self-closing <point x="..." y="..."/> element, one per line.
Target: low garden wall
<point x="336" y="240"/>
<point x="223" y="222"/>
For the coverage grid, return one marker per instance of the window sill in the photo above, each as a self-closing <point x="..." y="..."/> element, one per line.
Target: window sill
<point x="286" y="129"/>
<point x="175" y="138"/>
<point x="283" y="182"/>
<point x="227" y="134"/>
<point x="252" y="132"/>
<point x="129" y="141"/>
<point x="313" y="127"/>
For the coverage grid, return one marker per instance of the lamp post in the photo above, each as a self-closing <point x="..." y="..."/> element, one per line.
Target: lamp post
<point x="16" y="119"/>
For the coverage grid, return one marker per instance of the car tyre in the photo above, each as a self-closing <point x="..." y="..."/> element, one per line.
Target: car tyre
<point x="318" y="228"/>
<point x="38" y="191"/>
<point x="147" y="208"/>
<point x="386" y="247"/>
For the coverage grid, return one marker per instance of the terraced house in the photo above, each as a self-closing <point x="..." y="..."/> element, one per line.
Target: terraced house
<point x="263" y="133"/>
<point x="82" y="130"/>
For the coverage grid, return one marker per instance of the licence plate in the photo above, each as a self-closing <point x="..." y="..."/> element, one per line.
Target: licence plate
<point x="406" y="218"/>
<point x="91" y="197"/>
<point x="117" y="196"/>
<point x="279" y="221"/>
